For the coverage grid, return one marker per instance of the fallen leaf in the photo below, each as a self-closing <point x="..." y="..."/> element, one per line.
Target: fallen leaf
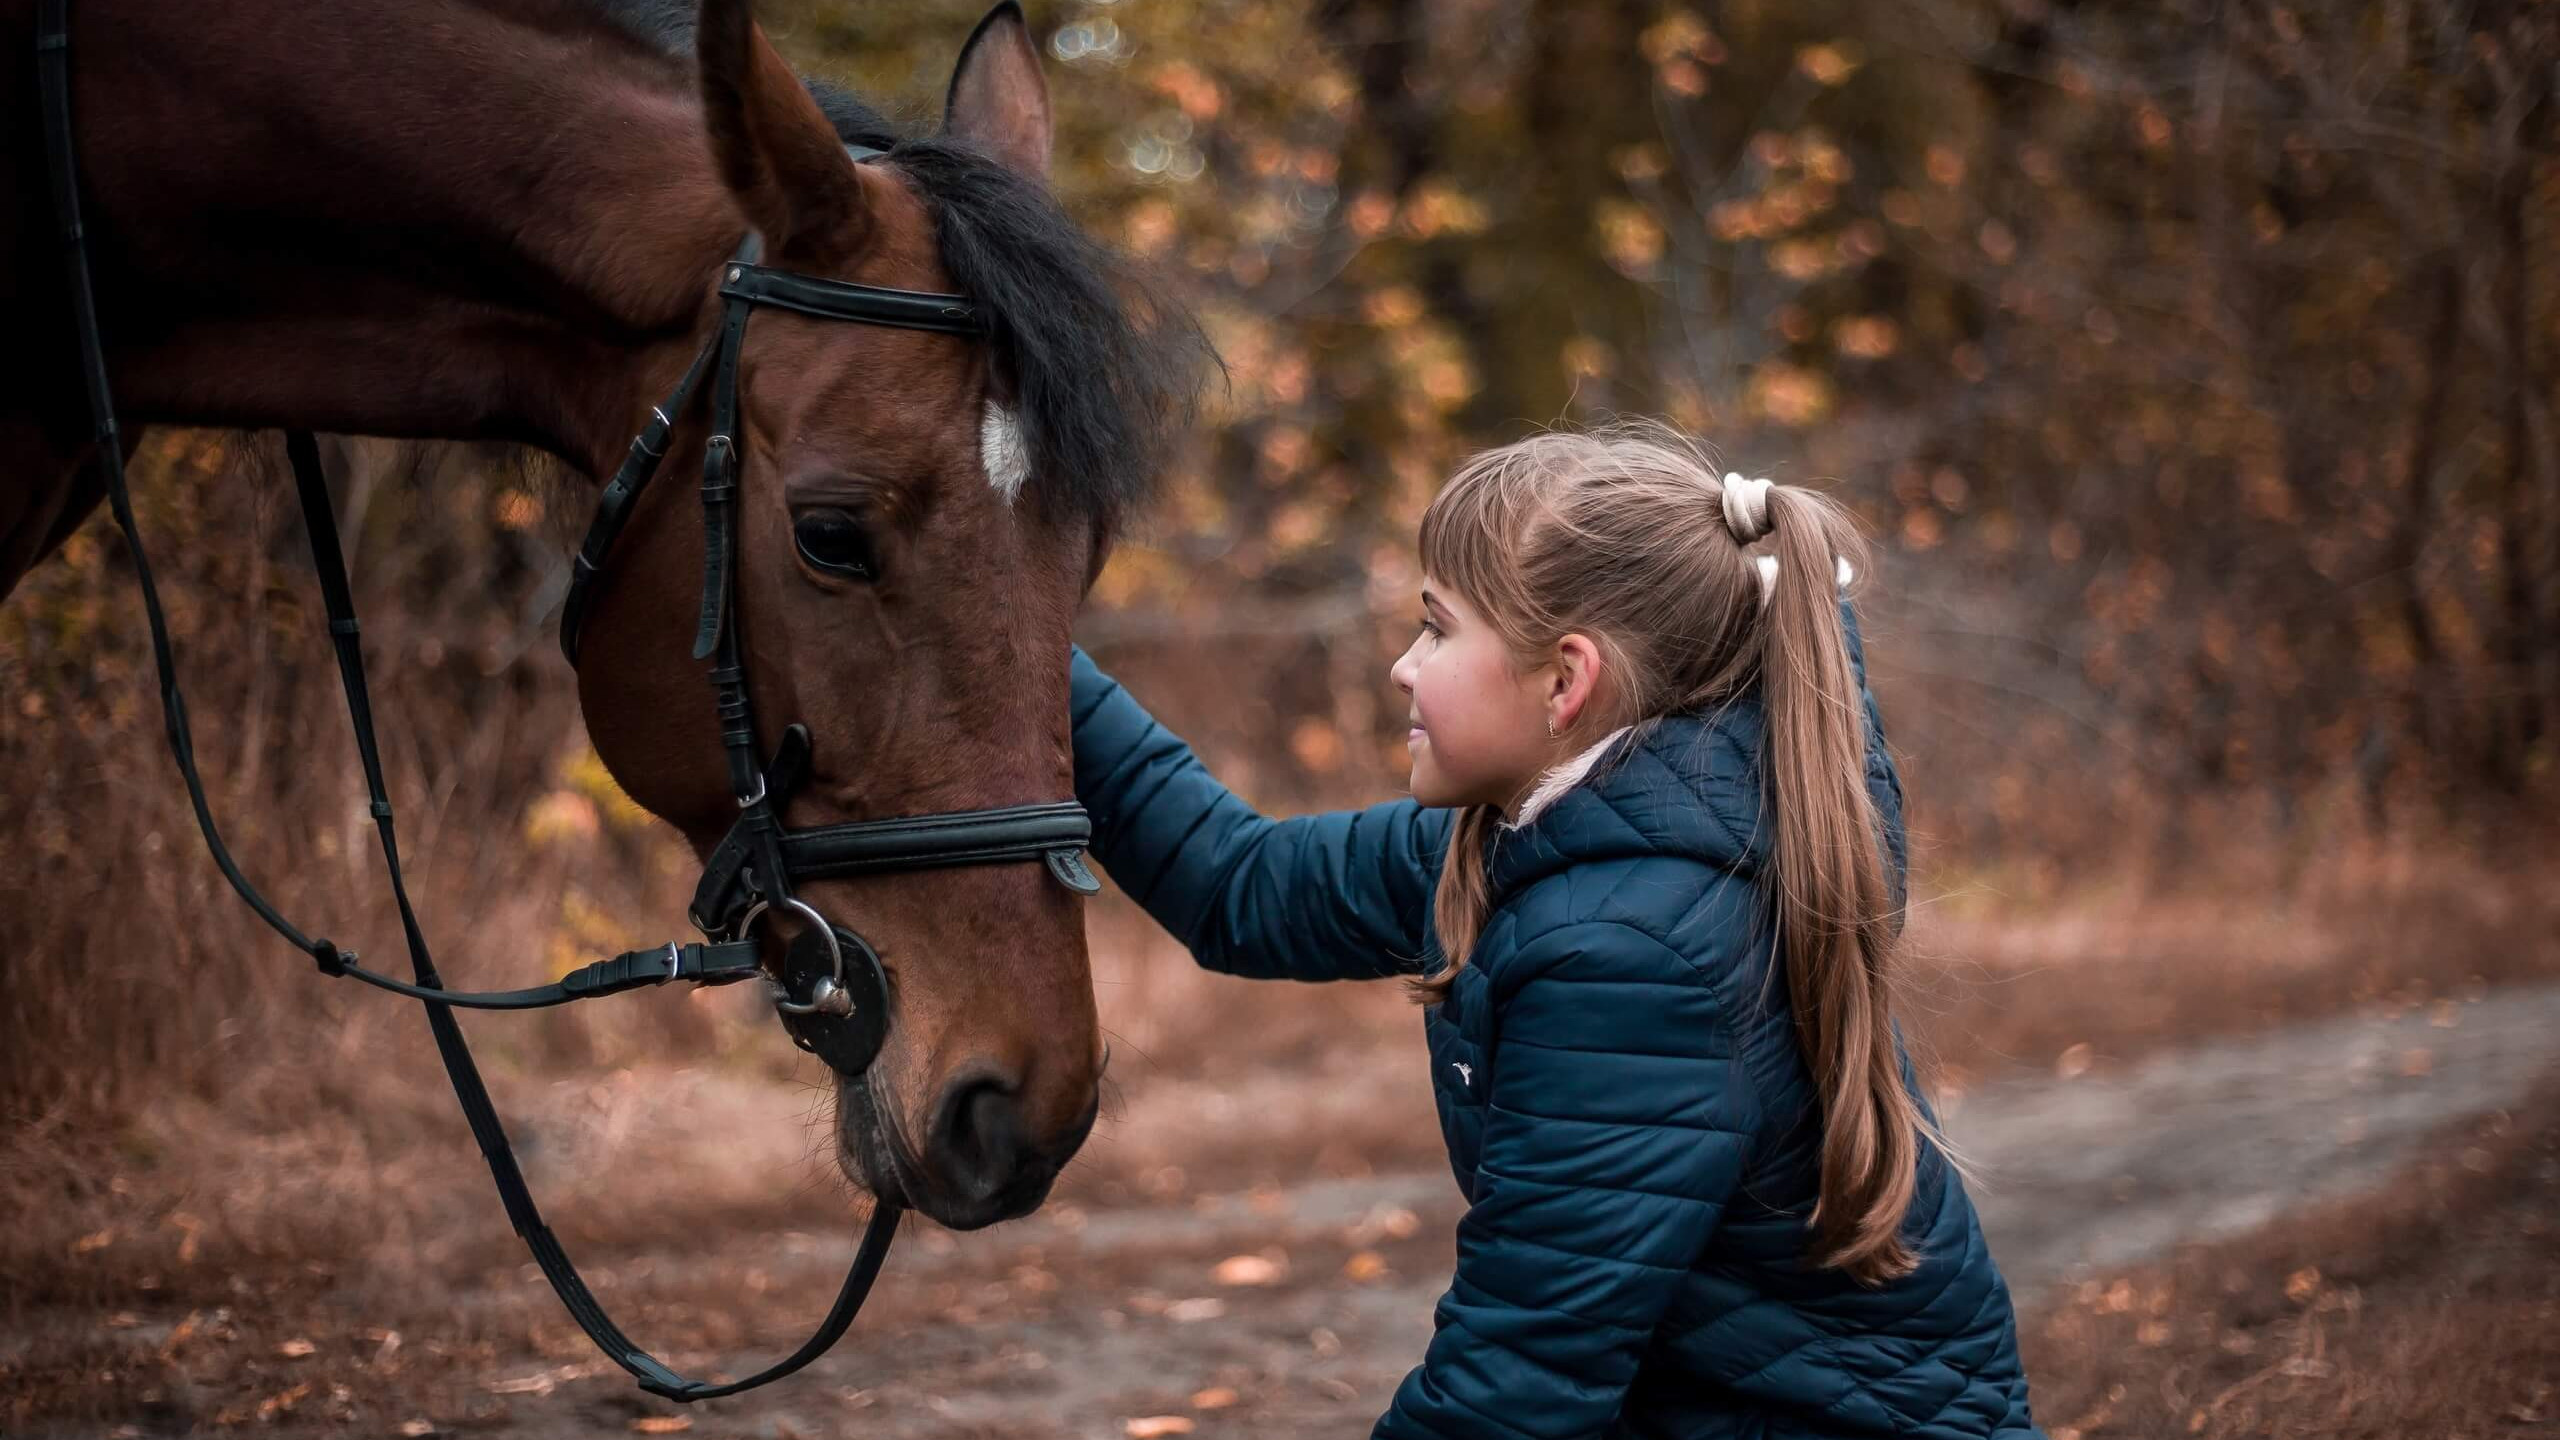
<point x="273" y="1405"/>
<point x="413" y="1429"/>
<point x="1151" y="1427"/>
<point x="661" y="1424"/>
<point x="296" y="1348"/>
<point x="1184" y="1312"/>
<point x="522" y="1385"/>
<point x="1216" y="1397"/>
<point x="2302" y="1283"/>
<point x="1247" y="1270"/>
<point x="123" y="1320"/>
<point x="2074" y="1061"/>
<point x="2417" y="1062"/>
<point x="2153" y="1333"/>
<point x="1365" y="1266"/>
<point x="95" y="1240"/>
<point x="180" y="1333"/>
<point x="191" y="1228"/>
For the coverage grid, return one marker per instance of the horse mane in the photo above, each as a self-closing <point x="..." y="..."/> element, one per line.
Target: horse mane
<point x="1104" y="367"/>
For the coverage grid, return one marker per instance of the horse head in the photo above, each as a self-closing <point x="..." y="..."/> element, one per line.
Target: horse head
<point x="917" y="518"/>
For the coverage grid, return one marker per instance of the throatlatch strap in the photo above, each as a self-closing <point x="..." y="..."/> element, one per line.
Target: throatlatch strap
<point x="615" y="502"/>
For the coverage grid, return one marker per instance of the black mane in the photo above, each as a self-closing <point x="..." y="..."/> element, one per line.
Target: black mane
<point x="1104" y="368"/>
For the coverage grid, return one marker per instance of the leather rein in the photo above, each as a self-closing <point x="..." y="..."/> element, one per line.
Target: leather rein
<point x="830" y="991"/>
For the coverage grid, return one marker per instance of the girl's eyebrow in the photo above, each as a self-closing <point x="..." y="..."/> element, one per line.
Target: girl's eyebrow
<point x="1432" y="602"/>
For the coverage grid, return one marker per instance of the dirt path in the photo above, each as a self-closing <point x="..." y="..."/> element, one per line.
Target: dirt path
<point x="1077" y="1321"/>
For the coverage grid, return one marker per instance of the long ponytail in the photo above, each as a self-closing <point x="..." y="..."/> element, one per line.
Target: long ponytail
<point x="1837" y="919"/>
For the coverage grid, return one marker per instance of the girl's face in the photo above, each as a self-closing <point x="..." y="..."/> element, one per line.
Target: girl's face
<point x="1478" y="727"/>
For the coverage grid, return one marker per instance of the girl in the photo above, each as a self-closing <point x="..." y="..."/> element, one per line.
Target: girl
<point x="1648" y="887"/>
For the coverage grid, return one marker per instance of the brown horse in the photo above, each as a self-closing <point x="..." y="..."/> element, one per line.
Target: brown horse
<point x="506" y="218"/>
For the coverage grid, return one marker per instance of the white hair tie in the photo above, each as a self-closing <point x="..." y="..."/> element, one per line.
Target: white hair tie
<point x="1767" y="565"/>
<point x="1746" y="507"/>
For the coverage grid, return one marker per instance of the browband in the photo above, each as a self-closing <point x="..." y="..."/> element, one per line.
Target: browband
<point x="743" y="284"/>
<point x="845" y="300"/>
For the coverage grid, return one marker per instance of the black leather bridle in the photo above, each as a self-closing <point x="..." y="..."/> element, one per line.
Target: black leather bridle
<point x="830" y="989"/>
<point x="834" y="998"/>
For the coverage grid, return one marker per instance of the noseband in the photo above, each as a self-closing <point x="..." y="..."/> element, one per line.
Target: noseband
<point x="829" y="988"/>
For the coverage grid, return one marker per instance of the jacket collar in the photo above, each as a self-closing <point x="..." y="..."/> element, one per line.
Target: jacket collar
<point x="1553" y="785"/>
<point x="1683" y="785"/>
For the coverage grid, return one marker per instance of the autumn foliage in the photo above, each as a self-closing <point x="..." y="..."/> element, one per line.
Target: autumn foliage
<point x="2194" y="366"/>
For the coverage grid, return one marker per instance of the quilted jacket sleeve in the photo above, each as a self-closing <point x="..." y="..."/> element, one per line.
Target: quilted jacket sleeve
<point x="1340" y="896"/>
<point x="1613" y="1136"/>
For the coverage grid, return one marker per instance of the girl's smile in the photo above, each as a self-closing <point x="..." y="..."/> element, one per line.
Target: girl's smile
<point x="1479" y="728"/>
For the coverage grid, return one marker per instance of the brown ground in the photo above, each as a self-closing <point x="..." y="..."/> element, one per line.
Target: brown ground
<point x="1252" y="1243"/>
<point x="2431" y="1308"/>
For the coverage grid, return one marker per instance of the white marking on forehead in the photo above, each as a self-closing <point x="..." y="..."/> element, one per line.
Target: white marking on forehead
<point x="1000" y="448"/>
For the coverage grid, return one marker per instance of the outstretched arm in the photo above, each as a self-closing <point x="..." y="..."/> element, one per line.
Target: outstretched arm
<point x="1340" y="896"/>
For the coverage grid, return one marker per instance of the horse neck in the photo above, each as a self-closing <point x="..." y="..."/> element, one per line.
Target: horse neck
<point x="382" y="217"/>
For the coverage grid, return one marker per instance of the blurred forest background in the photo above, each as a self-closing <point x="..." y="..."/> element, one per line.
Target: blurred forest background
<point x="2194" y="364"/>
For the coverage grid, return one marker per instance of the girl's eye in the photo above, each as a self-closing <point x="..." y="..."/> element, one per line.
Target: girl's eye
<point x="835" y="542"/>
<point x="1428" y="628"/>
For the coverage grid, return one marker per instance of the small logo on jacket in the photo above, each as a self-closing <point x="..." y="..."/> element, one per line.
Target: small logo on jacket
<point x="1466" y="1076"/>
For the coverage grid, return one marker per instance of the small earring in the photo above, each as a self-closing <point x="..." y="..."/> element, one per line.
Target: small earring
<point x="1551" y="728"/>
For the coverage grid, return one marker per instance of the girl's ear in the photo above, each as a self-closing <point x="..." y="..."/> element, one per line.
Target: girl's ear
<point x="1577" y="678"/>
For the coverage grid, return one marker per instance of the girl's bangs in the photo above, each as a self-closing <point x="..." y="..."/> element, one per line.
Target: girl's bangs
<point x="1465" y="533"/>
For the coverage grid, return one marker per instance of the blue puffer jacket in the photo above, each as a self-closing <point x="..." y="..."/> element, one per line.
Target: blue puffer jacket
<point x="1620" y="1086"/>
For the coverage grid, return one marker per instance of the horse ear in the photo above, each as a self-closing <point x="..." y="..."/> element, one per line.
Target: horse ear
<point x="774" y="147"/>
<point x="999" y="101"/>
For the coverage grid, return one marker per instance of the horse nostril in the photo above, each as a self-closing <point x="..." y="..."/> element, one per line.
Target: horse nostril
<point x="978" y="1136"/>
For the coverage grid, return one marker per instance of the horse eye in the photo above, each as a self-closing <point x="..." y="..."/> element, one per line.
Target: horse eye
<point x="836" y="543"/>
